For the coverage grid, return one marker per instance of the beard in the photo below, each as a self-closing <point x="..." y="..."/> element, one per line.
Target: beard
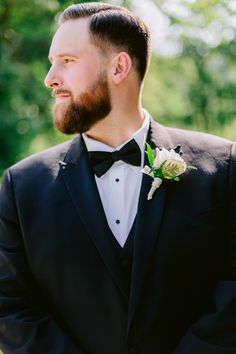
<point x="86" y="110"/>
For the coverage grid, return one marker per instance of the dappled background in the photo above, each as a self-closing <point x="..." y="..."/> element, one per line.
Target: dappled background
<point x="191" y="82"/>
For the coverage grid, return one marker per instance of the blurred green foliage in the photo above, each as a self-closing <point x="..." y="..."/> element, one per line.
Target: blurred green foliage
<point x="196" y="87"/>
<point x="193" y="88"/>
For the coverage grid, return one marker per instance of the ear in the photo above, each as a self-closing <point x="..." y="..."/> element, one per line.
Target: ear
<point x="122" y="65"/>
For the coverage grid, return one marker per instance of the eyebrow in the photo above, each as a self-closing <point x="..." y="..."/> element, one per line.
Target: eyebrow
<point x="63" y="55"/>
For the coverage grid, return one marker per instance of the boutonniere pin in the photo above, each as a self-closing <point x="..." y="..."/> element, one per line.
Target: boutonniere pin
<point x="166" y="164"/>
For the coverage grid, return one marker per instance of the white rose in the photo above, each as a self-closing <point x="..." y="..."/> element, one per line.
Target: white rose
<point x="172" y="163"/>
<point x="164" y="155"/>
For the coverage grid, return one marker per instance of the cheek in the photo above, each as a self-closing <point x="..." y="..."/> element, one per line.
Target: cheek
<point x="82" y="74"/>
<point x="89" y="70"/>
<point x="80" y="79"/>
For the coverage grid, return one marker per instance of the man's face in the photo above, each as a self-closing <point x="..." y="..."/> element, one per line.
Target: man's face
<point x="77" y="79"/>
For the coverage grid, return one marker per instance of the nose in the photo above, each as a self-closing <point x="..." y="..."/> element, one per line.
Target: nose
<point x="52" y="79"/>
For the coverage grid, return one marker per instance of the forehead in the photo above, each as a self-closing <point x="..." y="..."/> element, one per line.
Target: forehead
<point x="71" y="35"/>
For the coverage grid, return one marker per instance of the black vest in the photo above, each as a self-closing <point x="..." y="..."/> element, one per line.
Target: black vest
<point x="125" y="255"/>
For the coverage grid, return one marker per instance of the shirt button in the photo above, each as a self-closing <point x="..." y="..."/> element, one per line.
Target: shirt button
<point x="117" y="221"/>
<point x="117" y="180"/>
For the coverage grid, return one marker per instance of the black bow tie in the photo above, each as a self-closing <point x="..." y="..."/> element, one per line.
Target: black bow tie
<point x="101" y="161"/>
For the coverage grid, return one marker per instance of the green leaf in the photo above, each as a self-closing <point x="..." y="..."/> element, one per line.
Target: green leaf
<point x="176" y="179"/>
<point x="150" y="154"/>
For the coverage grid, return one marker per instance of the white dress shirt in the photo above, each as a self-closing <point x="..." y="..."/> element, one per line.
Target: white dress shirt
<point x="119" y="187"/>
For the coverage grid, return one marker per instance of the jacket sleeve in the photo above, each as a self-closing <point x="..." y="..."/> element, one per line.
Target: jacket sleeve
<point x="215" y="333"/>
<point x="26" y="327"/>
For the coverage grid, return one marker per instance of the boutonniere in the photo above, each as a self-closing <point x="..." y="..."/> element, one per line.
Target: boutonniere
<point x="166" y="164"/>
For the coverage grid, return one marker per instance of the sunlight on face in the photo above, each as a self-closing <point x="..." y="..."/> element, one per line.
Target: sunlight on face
<point x="78" y="79"/>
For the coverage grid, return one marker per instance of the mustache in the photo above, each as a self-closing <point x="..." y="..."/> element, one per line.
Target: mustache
<point x="60" y="92"/>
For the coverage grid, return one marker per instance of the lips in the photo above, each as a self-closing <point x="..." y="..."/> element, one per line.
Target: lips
<point x="60" y="95"/>
<point x="59" y="98"/>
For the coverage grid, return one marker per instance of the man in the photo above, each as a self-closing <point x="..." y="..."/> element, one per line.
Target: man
<point x="89" y="265"/>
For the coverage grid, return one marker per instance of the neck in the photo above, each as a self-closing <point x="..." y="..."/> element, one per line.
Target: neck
<point x="118" y="126"/>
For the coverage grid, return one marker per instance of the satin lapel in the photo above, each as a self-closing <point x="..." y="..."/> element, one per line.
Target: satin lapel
<point x="148" y="220"/>
<point x="83" y="191"/>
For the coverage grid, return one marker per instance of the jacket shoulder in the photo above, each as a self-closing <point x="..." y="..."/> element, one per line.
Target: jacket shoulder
<point x="41" y="166"/>
<point x="195" y="141"/>
<point x="196" y="137"/>
<point x="205" y="151"/>
<point x="204" y="146"/>
<point x="48" y="158"/>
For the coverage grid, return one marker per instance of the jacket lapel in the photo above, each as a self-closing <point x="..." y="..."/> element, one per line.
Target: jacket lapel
<point x="148" y="220"/>
<point x="81" y="185"/>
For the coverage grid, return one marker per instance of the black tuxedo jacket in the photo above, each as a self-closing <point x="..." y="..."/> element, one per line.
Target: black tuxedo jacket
<point x="61" y="288"/>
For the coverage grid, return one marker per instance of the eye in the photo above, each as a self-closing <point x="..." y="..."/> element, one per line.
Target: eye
<point x="67" y="60"/>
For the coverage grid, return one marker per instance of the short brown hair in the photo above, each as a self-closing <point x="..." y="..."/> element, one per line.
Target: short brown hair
<point x="115" y="26"/>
